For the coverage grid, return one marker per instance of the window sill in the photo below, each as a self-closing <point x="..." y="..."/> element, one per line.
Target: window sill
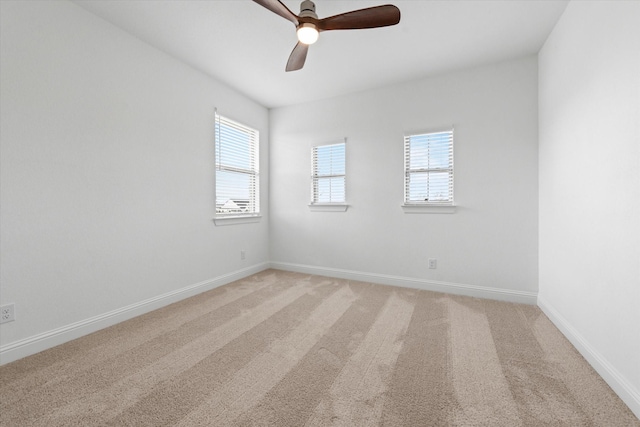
<point x="334" y="207"/>
<point x="429" y="209"/>
<point x="232" y="220"/>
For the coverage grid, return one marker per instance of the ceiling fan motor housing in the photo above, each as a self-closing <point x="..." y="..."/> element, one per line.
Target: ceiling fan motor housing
<point x="308" y="9"/>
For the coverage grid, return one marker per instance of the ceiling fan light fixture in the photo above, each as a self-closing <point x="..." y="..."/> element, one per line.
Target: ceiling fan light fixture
<point x="307" y="33"/>
<point x="308" y="26"/>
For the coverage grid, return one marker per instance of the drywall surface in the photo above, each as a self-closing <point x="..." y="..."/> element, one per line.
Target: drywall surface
<point x="107" y="185"/>
<point x="589" y="96"/>
<point x="490" y="241"/>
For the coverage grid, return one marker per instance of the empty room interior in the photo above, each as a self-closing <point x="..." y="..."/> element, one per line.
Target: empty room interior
<point x="430" y="216"/>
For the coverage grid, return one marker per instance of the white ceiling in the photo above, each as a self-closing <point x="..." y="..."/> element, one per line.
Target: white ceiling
<point x="246" y="46"/>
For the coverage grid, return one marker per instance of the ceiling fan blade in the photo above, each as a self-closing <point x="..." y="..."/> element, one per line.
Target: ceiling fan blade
<point x="372" y="17"/>
<point x="297" y="57"/>
<point x="277" y="7"/>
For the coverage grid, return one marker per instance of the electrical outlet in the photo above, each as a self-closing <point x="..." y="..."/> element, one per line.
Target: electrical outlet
<point x="243" y="254"/>
<point x="7" y="313"/>
<point x="433" y="263"/>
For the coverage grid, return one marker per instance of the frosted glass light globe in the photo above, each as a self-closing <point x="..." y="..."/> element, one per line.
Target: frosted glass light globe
<point x="307" y="33"/>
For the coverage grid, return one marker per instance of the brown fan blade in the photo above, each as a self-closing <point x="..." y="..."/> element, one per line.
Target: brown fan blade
<point x="372" y="17"/>
<point x="277" y="7"/>
<point x="297" y="57"/>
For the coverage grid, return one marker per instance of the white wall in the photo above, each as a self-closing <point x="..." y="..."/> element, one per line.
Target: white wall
<point x="590" y="186"/>
<point x="107" y="176"/>
<point x="490" y="242"/>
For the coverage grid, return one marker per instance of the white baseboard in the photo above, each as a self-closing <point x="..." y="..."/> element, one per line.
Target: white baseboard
<point x="629" y="394"/>
<point x="37" y="343"/>
<point x="408" y="282"/>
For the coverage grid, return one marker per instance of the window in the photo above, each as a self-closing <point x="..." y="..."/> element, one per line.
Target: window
<point x="428" y="169"/>
<point x="328" y="174"/>
<point x="237" y="177"/>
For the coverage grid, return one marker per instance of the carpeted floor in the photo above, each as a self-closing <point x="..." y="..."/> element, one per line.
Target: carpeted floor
<point x="288" y="349"/>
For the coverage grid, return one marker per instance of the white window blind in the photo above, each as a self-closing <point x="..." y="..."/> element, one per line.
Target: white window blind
<point x="328" y="173"/>
<point x="237" y="172"/>
<point x="428" y="160"/>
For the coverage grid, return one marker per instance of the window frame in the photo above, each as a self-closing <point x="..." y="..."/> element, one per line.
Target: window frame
<point x="429" y="206"/>
<point x="252" y="156"/>
<point x="330" y="206"/>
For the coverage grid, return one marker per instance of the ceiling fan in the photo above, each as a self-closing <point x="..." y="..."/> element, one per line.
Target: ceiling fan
<point x="308" y="26"/>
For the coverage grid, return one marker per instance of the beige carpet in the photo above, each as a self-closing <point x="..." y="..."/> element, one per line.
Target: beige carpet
<point x="288" y="349"/>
